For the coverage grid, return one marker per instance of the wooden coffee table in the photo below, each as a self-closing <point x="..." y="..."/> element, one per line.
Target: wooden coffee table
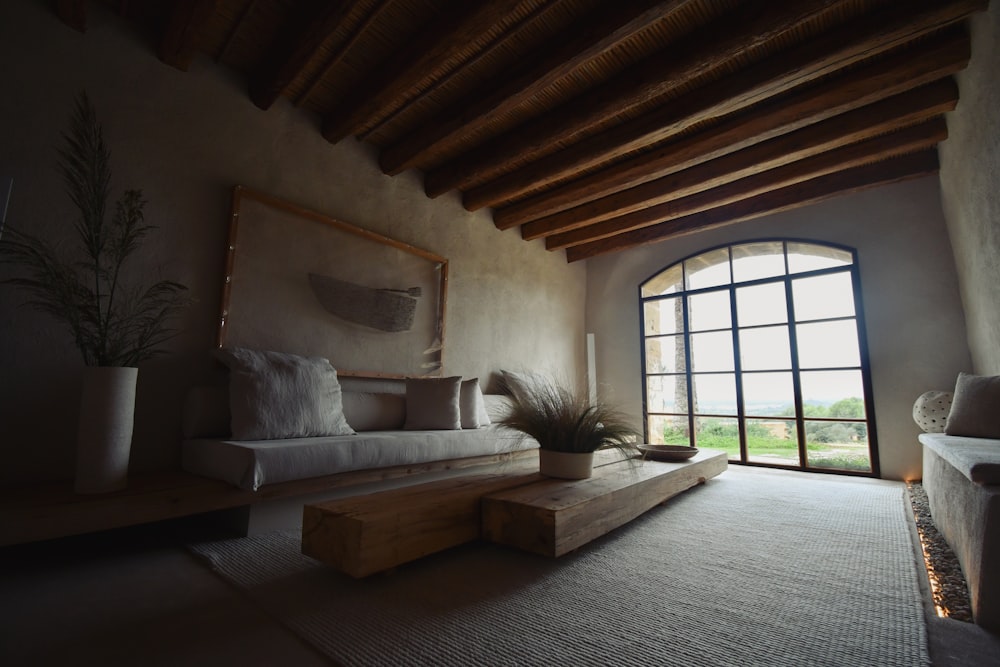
<point x="510" y="504"/>
<point x="553" y="517"/>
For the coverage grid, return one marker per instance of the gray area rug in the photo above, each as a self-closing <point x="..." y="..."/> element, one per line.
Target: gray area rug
<point x="752" y="568"/>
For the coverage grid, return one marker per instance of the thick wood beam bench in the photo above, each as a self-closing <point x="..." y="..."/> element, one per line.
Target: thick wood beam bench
<point x="362" y="535"/>
<point x="553" y="517"/>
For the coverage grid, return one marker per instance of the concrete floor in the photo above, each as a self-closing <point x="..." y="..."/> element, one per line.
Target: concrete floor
<point x="137" y="597"/>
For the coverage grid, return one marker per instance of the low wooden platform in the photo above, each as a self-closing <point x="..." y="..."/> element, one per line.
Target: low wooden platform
<point x="553" y="517"/>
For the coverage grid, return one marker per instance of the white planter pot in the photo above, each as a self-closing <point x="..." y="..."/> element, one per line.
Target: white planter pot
<point x="565" y="465"/>
<point x="104" y="435"/>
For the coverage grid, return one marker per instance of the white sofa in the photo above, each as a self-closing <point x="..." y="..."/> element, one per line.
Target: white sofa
<point x="961" y="475"/>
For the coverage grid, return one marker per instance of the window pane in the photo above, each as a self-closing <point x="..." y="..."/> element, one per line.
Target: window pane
<point x="752" y="261"/>
<point x="761" y="304"/>
<point x="709" y="311"/>
<point x="663" y="316"/>
<point x="668" y="430"/>
<point x="768" y="394"/>
<point x="709" y="269"/>
<point x="665" y="282"/>
<point x="823" y="297"/>
<point x="665" y="354"/>
<point x="666" y="393"/>
<point x="838" y="445"/>
<point x="765" y="349"/>
<point x="826" y="388"/>
<point x="810" y="257"/>
<point x="715" y="433"/>
<point x="714" y="394"/>
<point x="828" y="344"/>
<point x="712" y="351"/>
<point x="772" y="441"/>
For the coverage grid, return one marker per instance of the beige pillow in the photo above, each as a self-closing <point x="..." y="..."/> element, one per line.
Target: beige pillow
<point x="273" y="395"/>
<point x="472" y="406"/>
<point x="432" y="404"/>
<point x="975" y="409"/>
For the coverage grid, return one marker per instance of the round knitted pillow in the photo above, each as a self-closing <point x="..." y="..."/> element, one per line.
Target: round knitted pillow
<point x="931" y="411"/>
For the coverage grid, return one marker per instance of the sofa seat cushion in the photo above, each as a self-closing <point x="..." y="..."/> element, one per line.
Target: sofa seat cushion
<point x="976" y="458"/>
<point x="251" y="464"/>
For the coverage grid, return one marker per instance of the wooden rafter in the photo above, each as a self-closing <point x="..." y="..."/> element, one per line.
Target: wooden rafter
<point x="791" y="197"/>
<point x="898" y="111"/>
<point x="433" y="45"/>
<point x="296" y="49"/>
<point x="655" y="77"/>
<point x="180" y="39"/>
<point x="591" y="37"/>
<point x="844" y="47"/>
<point x="901" y="142"/>
<point x="880" y="80"/>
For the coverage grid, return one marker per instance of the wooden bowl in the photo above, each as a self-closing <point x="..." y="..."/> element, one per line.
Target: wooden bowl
<point x="667" y="452"/>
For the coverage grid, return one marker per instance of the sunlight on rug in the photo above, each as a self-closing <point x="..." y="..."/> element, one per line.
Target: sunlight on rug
<point x="753" y="568"/>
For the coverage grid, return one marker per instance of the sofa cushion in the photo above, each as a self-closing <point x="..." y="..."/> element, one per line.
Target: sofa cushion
<point x="433" y="404"/>
<point x="472" y="405"/>
<point x="930" y="411"/>
<point x="976" y="458"/>
<point x="975" y="409"/>
<point x="275" y="395"/>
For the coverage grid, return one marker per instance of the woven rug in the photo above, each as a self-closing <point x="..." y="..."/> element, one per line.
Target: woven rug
<point x="752" y="568"/>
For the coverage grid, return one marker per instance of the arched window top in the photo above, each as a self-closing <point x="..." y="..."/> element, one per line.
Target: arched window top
<point x="745" y="262"/>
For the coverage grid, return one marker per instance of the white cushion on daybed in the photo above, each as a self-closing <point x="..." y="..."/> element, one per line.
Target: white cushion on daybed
<point x="254" y="463"/>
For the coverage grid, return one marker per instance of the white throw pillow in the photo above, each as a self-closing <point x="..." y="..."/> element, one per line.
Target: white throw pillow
<point x="472" y="405"/>
<point x="273" y="395"/>
<point x="432" y="404"/>
<point x="931" y="409"/>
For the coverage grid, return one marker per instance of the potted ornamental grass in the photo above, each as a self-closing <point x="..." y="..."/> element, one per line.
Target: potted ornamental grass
<point x="567" y="425"/>
<point x="80" y="280"/>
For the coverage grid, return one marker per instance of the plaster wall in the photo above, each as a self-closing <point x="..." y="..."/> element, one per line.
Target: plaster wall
<point x="186" y="139"/>
<point x="970" y="190"/>
<point x="913" y="313"/>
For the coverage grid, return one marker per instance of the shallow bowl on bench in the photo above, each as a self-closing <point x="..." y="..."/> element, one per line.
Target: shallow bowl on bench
<point x="667" y="452"/>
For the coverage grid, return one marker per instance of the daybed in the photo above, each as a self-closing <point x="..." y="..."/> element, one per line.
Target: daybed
<point x="284" y="418"/>
<point x="961" y="475"/>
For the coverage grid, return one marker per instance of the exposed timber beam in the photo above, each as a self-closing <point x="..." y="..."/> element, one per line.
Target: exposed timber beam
<point x="791" y="197"/>
<point x="375" y="96"/>
<point x="903" y="71"/>
<point x="180" y="38"/>
<point x="901" y="110"/>
<point x="704" y="50"/>
<point x="296" y="48"/>
<point x="902" y="142"/>
<point x="864" y="38"/>
<point x="591" y="37"/>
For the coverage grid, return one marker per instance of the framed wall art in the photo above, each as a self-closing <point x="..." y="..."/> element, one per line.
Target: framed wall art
<point x="302" y="282"/>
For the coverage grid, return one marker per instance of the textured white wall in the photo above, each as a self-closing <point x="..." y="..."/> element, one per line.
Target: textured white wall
<point x="186" y="139"/>
<point x="970" y="190"/>
<point x="916" y="332"/>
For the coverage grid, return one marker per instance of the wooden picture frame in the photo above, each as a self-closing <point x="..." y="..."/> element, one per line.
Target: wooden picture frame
<point x="302" y="282"/>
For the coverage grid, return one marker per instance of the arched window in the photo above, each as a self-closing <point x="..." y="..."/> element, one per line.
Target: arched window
<point x="759" y="349"/>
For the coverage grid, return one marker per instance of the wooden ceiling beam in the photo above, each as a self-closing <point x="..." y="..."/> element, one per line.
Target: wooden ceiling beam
<point x="654" y="77"/>
<point x="791" y="197"/>
<point x="380" y="93"/>
<point x="864" y="38"/>
<point x="180" y="38"/>
<point x="588" y="39"/>
<point x="296" y="47"/>
<point x="902" y="142"/>
<point x="904" y="71"/>
<point x="901" y="110"/>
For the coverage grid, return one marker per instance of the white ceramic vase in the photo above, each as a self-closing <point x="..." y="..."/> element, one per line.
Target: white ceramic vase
<point x="104" y="436"/>
<point x="565" y="465"/>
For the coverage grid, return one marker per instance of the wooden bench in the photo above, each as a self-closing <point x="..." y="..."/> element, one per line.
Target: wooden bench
<point x="362" y="535"/>
<point x="552" y="517"/>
